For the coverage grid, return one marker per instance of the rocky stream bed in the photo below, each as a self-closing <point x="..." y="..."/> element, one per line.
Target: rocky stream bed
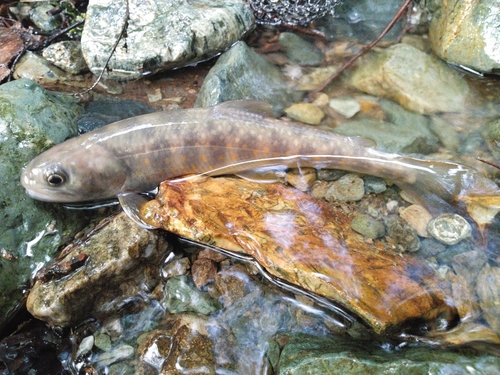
<point x="322" y="271"/>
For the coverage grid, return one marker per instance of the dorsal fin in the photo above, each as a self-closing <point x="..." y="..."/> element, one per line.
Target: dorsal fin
<point x="255" y="107"/>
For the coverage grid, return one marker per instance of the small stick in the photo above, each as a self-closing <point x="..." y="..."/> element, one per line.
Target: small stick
<point x="365" y="49"/>
<point x="80" y="94"/>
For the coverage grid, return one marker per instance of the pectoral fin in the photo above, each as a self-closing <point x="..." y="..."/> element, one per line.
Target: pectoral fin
<point x="131" y="204"/>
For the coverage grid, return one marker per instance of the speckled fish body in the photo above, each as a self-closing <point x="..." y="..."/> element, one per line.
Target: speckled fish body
<point x="136" y="154"/>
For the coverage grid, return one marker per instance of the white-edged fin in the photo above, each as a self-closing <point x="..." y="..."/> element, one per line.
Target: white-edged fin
<point x="90" y="205"/>
<point x="263" y="175"/>
<point x="131" y="204"/>
<point x="256" y="107"/>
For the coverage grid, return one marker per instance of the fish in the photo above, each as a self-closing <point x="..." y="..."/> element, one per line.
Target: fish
<point x="136" y="154"/>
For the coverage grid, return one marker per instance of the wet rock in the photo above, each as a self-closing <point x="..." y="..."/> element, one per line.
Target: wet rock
<point x="67" y="56"/>
<point x="391" y="137"/>
<point x="412" y="78"/>
<point x="319" y="189"/>
<point x="34" y="67"/>
<point x="203" y="271"/>
<point x="314" y="79"/>
<point x="115" y="265"/>
<point x="102" y="341"/>
<point x="349" y="187"/>
<point x="450" y="229"/>
<point x="272" y="227"/>
<point x="232" y="284"/>
<point x="241" y="73"/>
<point x="175" y="267"/>
<point x="488" y="291"/>
<point x="468" y="264"/>
<point x="118" y="354"/>
<point x="347" y="107"/>
<point x="30" y="232"/>
<point x="446" y="132"/>
<point x="302" y="179"/>
<point x="316" y="355"/>
<point x="160" y="35"/>
<point x="418" y="218"/>
<point x="368" y="226"/>
<point x="186" y="345"/>
<point x="330" y="174"/>
<point x="464" y="297"/>
<point x="182" y="296"/>
<point x="212" y="255"/>
<point x="299" y="51"/>
<point x="374" y="185"/>
<point x="305" y="112"/>
<point x="430" y="247"/>
<point x="107" y="110"/>
<point x="44" y="17"/>
<point x="491" y="134"/>
<point x="402" y="234"/>
<point x="467" y="34"/>
<point x="362" y="20"/>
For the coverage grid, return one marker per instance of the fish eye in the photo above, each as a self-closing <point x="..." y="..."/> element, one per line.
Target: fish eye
<point x="56" y="178"/>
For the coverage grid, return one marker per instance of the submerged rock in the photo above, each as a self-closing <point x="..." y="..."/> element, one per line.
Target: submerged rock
<point x="313" y="355"/>
<point x="31" y="120"/>
<point x="467" y="33"/>
<point x="412" y="78"/>
<point x="241" y="73"/>
<point x="160" y="35"/>
<point x="273" y="223"/>
<point x="96" y="276"/>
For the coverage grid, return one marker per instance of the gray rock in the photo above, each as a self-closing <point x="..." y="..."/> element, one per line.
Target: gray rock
<point x="415" y="80"/>
<point x="349" y="187"/>
<point x="391" y="137"/>
<point x="66" y="55"/>
<point x="317" y="355"/>
<point x="403" y="235"/>
<point x="44" y="20"/>
<point x="374" y="184"/>
<point x="31" y="120"/>
<point x="446" y="132"/>
<point x="107" y="110"/>
<point x="488" y="291"/>
<point x="300" y="51"/>
<point x="161" y="34"/>
<point x="182" y="296"/>
<point x="346" y="106"/>
<point x="36" y="68"/>
<point x="362" y="20"/>
<point x="468" y="264"/>
<point x="368" y="226"/>
<point x="122" y="262"/>
<point x="491" y="133"/>
<point x="467" y="34"/>
<point x="450" y="229"/>
<point x="241" y="73"/>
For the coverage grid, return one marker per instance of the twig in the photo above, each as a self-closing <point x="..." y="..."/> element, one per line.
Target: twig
<point x="99" y="77"/>
<point x="365" y="49"/>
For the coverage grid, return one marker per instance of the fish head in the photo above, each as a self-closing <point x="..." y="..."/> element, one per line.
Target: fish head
<point x="73" y="173"/>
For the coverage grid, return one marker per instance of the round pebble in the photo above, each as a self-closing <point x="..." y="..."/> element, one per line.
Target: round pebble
<point x="347" y="107"/>
<point x="305" y="112"/>
<point x="418" y="217"/>
<point x="374" y="185"/>
<point x="349" y="187"/>
<point x="368" y="226"/>
<point x="402" y="234"/>
<point x="449" y="229"/>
